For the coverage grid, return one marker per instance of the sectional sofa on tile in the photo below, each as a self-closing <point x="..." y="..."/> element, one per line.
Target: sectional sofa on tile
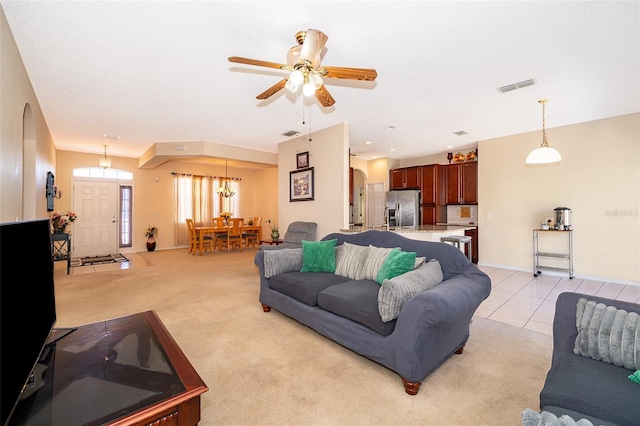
<point x="410" y="323"/>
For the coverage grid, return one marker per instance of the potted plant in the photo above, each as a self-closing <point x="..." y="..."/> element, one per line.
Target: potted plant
<point x="151" y="233"/>
<point x="60" y="221"/>
<point x="226" y="216"/>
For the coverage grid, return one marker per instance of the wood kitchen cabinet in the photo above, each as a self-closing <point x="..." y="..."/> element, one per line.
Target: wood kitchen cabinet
<point x="433" y="186"/>
<point x="432" y="194"/>
<point x="473" y="233"/>
<point x="462" y="183"/>
<point x="405" y="178"/>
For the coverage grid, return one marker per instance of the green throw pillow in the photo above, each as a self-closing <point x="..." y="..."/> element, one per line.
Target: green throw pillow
<point x="319" y="256"/>
<point x="397" y="263"/>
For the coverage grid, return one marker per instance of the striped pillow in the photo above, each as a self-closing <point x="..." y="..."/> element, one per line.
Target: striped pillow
<point x="607" y="334"/>
<point x="350" y="260"/>
<point x="281" y="261"/>
<point x="395" y="292"/>
<point x="373" y="262"/>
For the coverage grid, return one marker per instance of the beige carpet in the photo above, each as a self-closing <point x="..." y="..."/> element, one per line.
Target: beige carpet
<point x="266" y="369"/>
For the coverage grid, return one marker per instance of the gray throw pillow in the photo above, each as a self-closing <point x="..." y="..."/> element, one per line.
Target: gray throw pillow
<point x="607" y="334"/>
<point x="281" y="261"/>
<point x="394" y="293"/>
<point x="533" y="418"/>
<point x="373" y="262"/>
<point x="350" y="260"/>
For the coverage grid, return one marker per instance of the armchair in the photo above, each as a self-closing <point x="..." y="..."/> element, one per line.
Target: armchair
<point x="296" y="232"/>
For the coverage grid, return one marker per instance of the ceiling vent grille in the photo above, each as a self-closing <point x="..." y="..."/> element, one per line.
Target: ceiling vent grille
<point x="514" y="86"/>
<point x="460" y="133"/>
<point x="290" y="133"/>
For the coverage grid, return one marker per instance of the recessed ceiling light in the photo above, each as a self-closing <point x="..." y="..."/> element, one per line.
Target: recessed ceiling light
<point x="392" y="149"/>
<point x="390" y="127"/>
<point x="449" y="146"/>
<point x="111" y="137"/>
<point x="460" y="133"/>
<point x="368" y="142"/>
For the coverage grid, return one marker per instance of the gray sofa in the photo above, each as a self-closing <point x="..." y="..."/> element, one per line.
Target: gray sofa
<point x="430" y="327"/>
<point x="588" y="388"/>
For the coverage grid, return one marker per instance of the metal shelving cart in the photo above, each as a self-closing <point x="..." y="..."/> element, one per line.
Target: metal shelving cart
<point x="537" y="254"/>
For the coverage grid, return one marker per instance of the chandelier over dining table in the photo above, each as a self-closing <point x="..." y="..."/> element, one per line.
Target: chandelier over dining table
<point x="225" y="189"/>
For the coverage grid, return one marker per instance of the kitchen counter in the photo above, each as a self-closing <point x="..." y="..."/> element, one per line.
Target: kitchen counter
<point x="421" y="232"/>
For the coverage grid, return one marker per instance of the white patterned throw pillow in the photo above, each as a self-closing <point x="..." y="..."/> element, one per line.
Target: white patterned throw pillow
<point x="350" y="260"/>
<point x="373" y="262"/>
<point x="395" y="292"/>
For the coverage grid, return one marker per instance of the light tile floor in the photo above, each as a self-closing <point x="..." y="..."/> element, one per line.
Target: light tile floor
<point x="520" y="299"/>
<point x="517" y="298"/>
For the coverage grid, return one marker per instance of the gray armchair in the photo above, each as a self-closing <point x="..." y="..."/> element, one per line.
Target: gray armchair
<point x="296" y="232"/>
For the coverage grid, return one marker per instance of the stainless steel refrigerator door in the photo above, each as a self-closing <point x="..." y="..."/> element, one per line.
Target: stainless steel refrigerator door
<point x="409" y="206"/>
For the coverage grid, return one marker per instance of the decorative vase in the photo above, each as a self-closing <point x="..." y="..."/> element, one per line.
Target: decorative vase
<point x="275" y="235"/>
<point x="151" y="244"/>
<point x="59" y="231"/>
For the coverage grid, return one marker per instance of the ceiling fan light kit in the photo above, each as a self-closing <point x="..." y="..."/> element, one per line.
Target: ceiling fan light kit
<point x="303" y="64"/>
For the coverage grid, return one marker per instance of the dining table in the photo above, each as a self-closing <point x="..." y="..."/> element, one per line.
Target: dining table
<point x="201" y="231"/>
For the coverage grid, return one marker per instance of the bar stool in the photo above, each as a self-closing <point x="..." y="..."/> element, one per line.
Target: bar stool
<point x="456" y="240"/>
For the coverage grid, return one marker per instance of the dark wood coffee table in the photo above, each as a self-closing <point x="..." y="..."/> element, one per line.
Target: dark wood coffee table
<point x="123" y="371"/>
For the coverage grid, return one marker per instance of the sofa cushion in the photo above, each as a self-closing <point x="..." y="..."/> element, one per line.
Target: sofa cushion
<point x="318" y="256"/>
<point x="607" y="334"/>
<point x="595" y="388"/>
<point x="350" y="260"/>
<point x="281" y="261"/>
<point x="304" y="286"/>
<point x="357" y="301"/>
<point x="397" y="263"/>
<point x="395" y="292"/>
<point x="373" y="262"/>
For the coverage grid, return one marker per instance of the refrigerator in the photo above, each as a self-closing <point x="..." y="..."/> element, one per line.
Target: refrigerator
<point x="403" y="208"/>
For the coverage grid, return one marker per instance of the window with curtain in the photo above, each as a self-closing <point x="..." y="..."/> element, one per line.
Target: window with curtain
<point x="196" y="198"/>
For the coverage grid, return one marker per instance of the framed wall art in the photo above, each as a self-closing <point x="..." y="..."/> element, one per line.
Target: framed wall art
<point x="301" y="185"/>
<point x="302" y="160"/>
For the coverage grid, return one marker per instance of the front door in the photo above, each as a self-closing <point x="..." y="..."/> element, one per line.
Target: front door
<point x="95" y="231"/>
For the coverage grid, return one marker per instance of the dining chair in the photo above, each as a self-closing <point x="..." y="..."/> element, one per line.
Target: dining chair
<point x="220" y="223"/>
<point x="233" y="237"/>
<point x="194" y="239"/>
<point x="251" y="238"/>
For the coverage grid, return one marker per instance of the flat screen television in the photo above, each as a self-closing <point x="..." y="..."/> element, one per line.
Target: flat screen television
<point x="27" y="305"/>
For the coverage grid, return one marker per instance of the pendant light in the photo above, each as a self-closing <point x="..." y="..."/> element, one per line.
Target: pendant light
<point x="105" y="162"/>
<point x="224" y="189"/>
<point x="544" y="154"/>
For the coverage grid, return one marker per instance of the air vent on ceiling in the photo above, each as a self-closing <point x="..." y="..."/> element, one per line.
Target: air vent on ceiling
<point x="514" y="86"/>
<point x="291" y="133"/>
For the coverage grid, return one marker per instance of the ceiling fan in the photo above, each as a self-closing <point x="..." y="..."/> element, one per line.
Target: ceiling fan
<point x="303" y="64"/>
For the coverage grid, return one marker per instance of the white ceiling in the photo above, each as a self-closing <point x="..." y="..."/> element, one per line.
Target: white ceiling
<point x="157" y="71"/>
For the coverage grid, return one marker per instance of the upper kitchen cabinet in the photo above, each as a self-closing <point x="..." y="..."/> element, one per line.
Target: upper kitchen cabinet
<point x="462" y="183"/>
<point x="405" y="178"/>
<point x="433" y="188"/>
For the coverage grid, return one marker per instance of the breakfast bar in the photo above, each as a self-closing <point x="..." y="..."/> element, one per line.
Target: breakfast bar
<point x="420" y="232"/>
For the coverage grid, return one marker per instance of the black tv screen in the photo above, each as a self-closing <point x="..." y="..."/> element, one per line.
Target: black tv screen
<point x="27" y="304"/>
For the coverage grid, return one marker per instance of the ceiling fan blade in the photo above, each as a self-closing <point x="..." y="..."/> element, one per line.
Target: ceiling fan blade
<point x="256" y="62"/>
<point x="367" y="74"/>
<point x="312" y="46"/>
<point x="325" y="98"/>
<point x="272" y="90"/>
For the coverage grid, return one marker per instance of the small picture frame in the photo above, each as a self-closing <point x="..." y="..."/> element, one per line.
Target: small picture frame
<point x="301" y="185"/>
<point x="302" y="160"/>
